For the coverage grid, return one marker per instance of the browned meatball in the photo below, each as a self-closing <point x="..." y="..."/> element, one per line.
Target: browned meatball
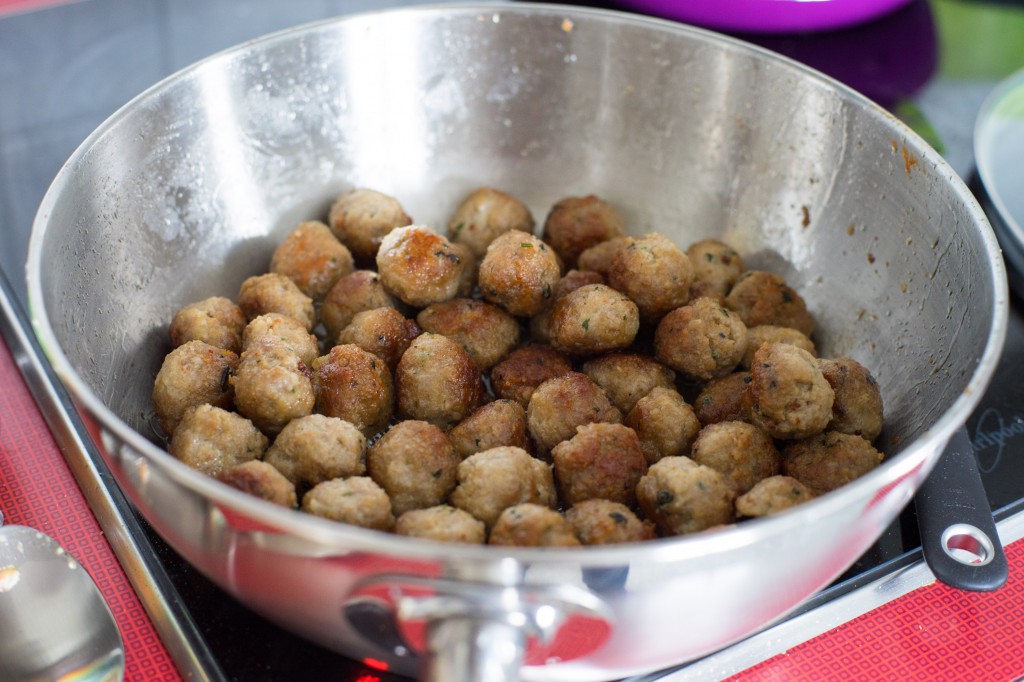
<point x="192" y="374"/>
<point x="420" y="266"/>
<point x="284" y="331"/>
<point x="769" y="333"/>
<point x="317" y="448"/>
<point x="743" y="453"/>
<point x="437" y="381"/>
<point x="274" y="293"/>
<point x="519" y="273"/>
<point x="495" y="479"/>
<point x="772" y="495"/>
<point x="570" y="282"/>
<point x="272" y="387"/>
<point x="598" y="258"/>
<point x="575" y="224"/>
<point x="212" y="440"/>
<point x="215" y="320"/>
<point x="524" y="369"/>
<point x="857" y="408"/>
<point x="415" y="463"/>
<point x="561" y="404"/>
<point x="603" y="522"/>
<point x="385" y="332"/>
<point x="313" y="258"/>
<point x="261" y="480"/>
<point x="361" y="218"/>
<point x="724" y="399"/>
<point x="502" y="422"/>
<point x="701" y="340"/>
<point x="655" y="274"/>
<point x="354" y="385"/>
<point x="484" y="330"/>
<point x="665" y="424"/>
<point x="486" y="214"/>
<point x="602" y="461"/>
<point x="790" y="397"/>
<point x="443" y="523"/>
<point x="532" y="525"/>
<point x="716" y="267"/>
<point x="354" y="293"/>
<point x="760" y="297"/>
<point x="829" y="460"/>
<point x="593" y="319"/>
<point x="681" y="496"/>
<point x="628" y="377"/>
<point x="357" y="501"/>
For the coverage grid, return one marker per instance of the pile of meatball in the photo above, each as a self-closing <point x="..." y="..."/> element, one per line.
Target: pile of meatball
<point x="482" y="384"/>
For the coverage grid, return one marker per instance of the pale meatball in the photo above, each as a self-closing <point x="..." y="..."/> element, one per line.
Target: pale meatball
<point x="415" y="463"/>
<point x="760" y="297"/>
<point x="272" y="387"/>
<point x="215" y="320"/>
<point x="665" y="424"/>
<point x="354" y="385"/>
<point x="602" y="461"/>
<point x="593" y="319"/>
<point x="317" y="448"/>
<point x="261" y="480"/>
<point x="561" y="404"/>
<point x="354" y="293"/>
<point x="274" y="293"/>
<point x="519" y="273"/>
<point x="654" y="272"/>
<point x="743" y="453"/>
<point x="681" y="496"/>
<point x="716" y="267"/>
<point x="283" y="331"/>
<point x="575" y="224"/>
<point x="443" y="523"/>
<point x="420" y="266"/>
<point x="790" y="397"/>
<point x="502" y="422"/>
<point x="857" y="408"/>
<point x="574" y="279"/>
<point x="361" y="217"/>
<point x="603" y="522"/>
<point x="701" y="340"/>
<point x="772" y="495"/>
<point x="725" y="399"/>
<point x="313" y="258"/>
<point x="524" y="369"/>
<point x="437" y="381"/>
<point x="192" y="374"/>
<point x="598" y="258"/>
<point x="532" y="525"/>
<point x="385" y="332"/>
<point x="484" y="330"/>
<point x="357" y="501"/>
<point x="486" y="214"/>
<point x="628" y="377"/>
<point x="829" y="460"/>
<point x="495" y="479"/>
<point x="769" y="333"/>
<point x="212" y="440"/>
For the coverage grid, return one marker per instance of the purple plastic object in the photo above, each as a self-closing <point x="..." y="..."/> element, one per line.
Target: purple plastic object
<point x="766" y="16"/>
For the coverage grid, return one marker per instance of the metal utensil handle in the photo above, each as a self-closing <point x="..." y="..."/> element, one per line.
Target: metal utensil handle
<point x="958" y="534"/>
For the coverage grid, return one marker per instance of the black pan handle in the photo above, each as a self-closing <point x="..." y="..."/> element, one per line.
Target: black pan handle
<point x="958" y="534"/>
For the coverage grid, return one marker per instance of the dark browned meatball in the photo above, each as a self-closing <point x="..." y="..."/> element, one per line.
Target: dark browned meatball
<point x="317" y="448"/>
<point x="575" y="224"/>
<point x="716" y="267"/>
<point x="598" y="258"/>
<point x="495" y="479"/>
<point x="212" y="440"/>
<point x="272" y="387"/>
<point x="420" y="266"/>
<point x="628" y="377"/>
<point x="681" y="496"/>
<point x="665" y="424"/>
<point x="484" y="330"/>
<point x="790" y="397"/>
<point x="760" y="297"/>
<point x="741" y="452"/>
<point x="486" y="214"/>
<point x="701" y="340"/>
<point x="524" y="369"/>
<point x="602" y="461"/>
<point x="502" y="422"/>
<point x="829" y="460"/>
<point x="385" y="332"/>
<point x="725" y="399"/>
<point x="561" y="404"/>
<point x="769" y="333"/>
<point x="283" y="331"/>
<point x="274" y="293"/>
<point x="857" y="408"/>
<point x="215" y="320"/>
<point x="361" y="218"/>
<point x="192" y="374"/>
<point x="772" y="495"/>
<point x="261" y="480"/>
<point x="655" y="274"/>
<point x="437" y="381"/>
<point x="603" y="522"/>
<point x="354" y="385"/>
<point x="443" y="523"/>
<point x="415" y="463"/>
<point x="519" y="273"/>
<point x="593" y="319"/>
<point x="357" y="501"/>
<point x="532" y="525"/>
<point x="313" y="258"/>
<point x="354" y="293"/>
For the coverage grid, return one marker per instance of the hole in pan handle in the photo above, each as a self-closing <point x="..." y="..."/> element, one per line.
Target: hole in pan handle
<point x="958" y="534"/>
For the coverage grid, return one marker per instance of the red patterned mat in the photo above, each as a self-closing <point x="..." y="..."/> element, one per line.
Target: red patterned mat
<point x="38" y="490"/>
